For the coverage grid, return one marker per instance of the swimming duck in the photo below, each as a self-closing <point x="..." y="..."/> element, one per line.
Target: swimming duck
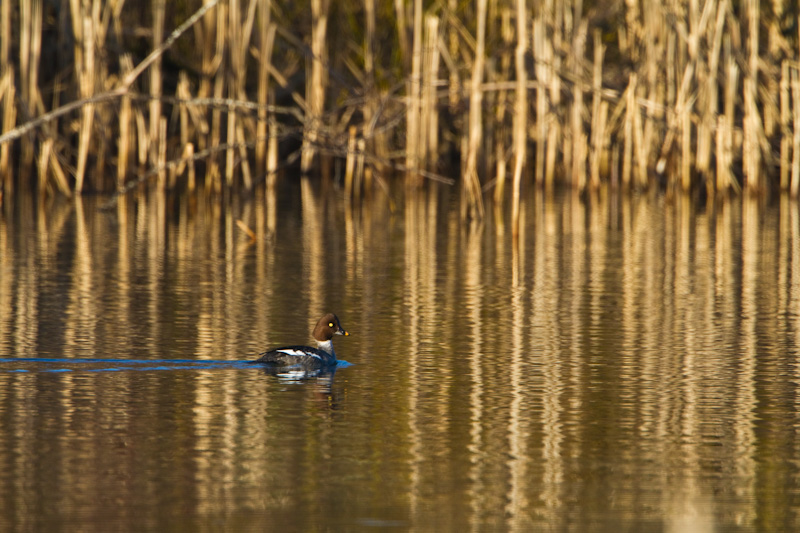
<point x="308" y="356"/>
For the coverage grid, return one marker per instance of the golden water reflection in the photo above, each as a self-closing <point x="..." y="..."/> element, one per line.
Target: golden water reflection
<point x="632" y="362"/>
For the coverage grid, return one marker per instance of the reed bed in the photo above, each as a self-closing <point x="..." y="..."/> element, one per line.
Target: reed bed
<point x="685" y="95"/>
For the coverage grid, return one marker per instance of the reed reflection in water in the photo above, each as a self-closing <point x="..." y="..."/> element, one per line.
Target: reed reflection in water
<point x="631" y="363"/>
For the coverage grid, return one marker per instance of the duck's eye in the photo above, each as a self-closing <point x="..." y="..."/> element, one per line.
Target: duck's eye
<point x="330" y="324"/>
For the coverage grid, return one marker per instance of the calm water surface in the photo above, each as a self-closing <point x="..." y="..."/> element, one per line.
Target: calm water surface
<point x="631" y="365"/>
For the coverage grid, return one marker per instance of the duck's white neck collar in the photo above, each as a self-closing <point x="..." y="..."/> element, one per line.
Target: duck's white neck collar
<point x="326" y="346"/>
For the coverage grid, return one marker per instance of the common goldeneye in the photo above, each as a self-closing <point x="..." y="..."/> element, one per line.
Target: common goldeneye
<point x="306" y="356"/>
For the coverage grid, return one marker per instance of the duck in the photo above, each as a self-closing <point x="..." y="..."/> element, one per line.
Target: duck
<point x="308" y="357"/>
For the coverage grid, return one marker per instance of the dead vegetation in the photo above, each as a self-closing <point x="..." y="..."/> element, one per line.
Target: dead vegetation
<point x="100" y="95"/>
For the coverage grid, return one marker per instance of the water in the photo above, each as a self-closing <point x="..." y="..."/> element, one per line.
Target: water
<point x="631" y="365"/>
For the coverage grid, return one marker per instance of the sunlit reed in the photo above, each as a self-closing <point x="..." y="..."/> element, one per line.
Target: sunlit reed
<point x="266" y="38"/>
<point x="471" y="196"/>
<point x="686" y="94"/>
<point x="520" y="118"/>
<point x="316" y="81"/>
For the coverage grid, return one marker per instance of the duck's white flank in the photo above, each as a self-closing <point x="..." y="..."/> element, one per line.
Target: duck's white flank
<point x="292" y="352"/>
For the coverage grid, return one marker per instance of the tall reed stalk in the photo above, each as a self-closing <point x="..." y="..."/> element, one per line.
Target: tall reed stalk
<point x="751" y="153"/>
<point x="317" y="81"/>
<point x="785" y="120"/>
<point x="726" y="128"/>
<point x="7" y="98"/>
<point x="5" y="35"/>
<point x="520" y="114"/>
<point x="413" y="108"/>
<point x="429" y="123"/>
<point x="472" y="190"/>
<point x="541" y="50"/>
<point x="599" y="114"/>
<point x="266" y="39"/>
<point x="7" y="94"/>
<point x="794" y="187"/>
<point x="158" y="10"/>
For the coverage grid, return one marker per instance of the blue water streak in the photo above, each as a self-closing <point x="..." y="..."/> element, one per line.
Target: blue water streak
<point x="55" y="365"/>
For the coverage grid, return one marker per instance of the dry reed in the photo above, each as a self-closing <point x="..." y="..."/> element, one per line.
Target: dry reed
<point x="520" y="116"/>
<point x="599" y="113"/>
<point x="473" y="202"/>
<point x="429" y="123"/>
<point x="7" y="93"/>
<point x="413" y="109"/>
<point x="794" y="186"/>
<point x="703" y="92"/>
<point x="266" y="34"/>
<point x="316" y="82"/>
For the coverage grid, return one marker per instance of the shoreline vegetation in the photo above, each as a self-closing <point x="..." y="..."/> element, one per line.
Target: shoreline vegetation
<point x="683" y="95"/>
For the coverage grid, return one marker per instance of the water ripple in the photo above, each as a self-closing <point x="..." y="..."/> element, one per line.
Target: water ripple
<point x="54" y="365"/>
